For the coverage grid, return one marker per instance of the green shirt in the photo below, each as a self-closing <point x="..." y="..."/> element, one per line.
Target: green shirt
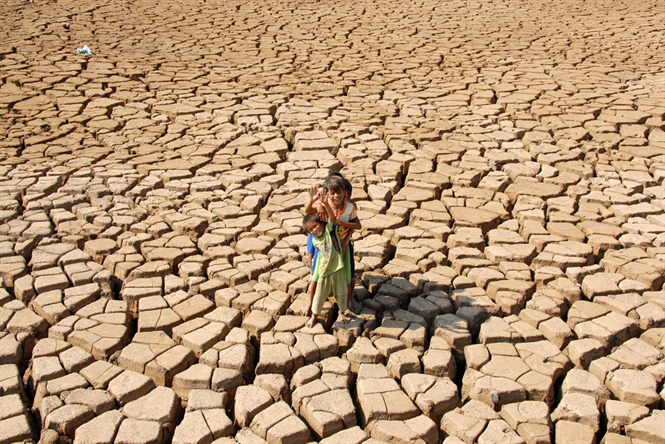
<point x="329" y="259"/>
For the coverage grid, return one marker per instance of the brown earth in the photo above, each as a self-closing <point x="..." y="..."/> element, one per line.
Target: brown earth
<point x="507" y="159"/>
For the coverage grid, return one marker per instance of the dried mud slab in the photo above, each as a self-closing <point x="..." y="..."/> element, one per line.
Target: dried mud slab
<point x="507" y="161"/>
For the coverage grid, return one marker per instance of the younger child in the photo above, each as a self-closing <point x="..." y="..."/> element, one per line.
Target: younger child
<point x="329" y="275"/>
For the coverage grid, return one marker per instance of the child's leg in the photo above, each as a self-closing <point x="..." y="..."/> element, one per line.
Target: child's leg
<point x="319" y="295"/>
<point x="350" y="302"/>
<point x="348" y="257"/>
<point x="310" y="295"/>
<point x="340" y="288"/>
<point x="313" y="286"/>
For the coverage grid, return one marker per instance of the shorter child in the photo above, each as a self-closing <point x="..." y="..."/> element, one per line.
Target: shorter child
<point x="329" y="275"/>
<point x="339" y="192"/>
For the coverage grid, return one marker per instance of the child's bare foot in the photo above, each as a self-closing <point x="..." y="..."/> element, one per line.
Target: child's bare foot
<point x="311" y="321"/>
<point x="349" y="314"/>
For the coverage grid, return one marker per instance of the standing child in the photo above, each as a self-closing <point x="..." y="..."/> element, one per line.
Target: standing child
<point x="339" y="191"/>
<point x="315" y="206"/>
<point x="345" y="216"/>
<point x="329" y="273"/>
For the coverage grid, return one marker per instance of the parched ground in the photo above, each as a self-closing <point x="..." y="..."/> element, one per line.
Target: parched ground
<point x="507" y="159"/>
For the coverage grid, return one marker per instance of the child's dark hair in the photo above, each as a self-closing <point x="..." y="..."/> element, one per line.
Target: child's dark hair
<point x="348" y="188"/>
<point x="312" y="217"/>
<point x="334" y="182"/>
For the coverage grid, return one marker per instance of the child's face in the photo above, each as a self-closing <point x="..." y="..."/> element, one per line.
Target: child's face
<point x="336" y="196"/>
<point x="315" y="228"/>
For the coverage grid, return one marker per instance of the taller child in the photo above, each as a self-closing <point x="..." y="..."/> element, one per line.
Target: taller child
<point x="329" y="277"/>
<point x="344" y="215"/>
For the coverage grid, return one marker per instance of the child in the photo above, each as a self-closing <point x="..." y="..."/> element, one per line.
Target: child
<point x="329" y="273"/>
<point x="314" y="206"/>
<point x="339" y="191"/>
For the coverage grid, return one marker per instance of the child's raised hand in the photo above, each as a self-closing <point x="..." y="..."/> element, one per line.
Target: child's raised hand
<point x="313" y="193"/>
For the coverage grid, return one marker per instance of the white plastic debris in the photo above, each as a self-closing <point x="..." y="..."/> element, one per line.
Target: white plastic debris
<point x="84" y="50"/>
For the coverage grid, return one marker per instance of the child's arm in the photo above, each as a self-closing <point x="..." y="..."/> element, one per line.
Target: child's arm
<point x="314" y="205"/>
<point x="353" y="224"/>
<point x="323" y="198"/>
<point x="347" y="238"/>
<point x="312" y="290"/>
<point x="305" y="311"/>
<point x="313" y="195"/>
<point x="310" y="247"/>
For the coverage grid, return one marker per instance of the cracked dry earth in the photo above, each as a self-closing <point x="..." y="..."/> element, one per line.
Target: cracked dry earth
<point x="507" y="159"/>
